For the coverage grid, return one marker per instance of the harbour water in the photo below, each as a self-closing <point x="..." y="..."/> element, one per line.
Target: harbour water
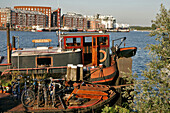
<point x="137" y="39"/>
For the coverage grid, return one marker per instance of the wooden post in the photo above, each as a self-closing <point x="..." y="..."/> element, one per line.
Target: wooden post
<point x="80" y="71"/>
<point x="124" y="65"/>
<point x="73" y="73"/>
<point x="8" y="44"/>
<point x="69" y="71"/>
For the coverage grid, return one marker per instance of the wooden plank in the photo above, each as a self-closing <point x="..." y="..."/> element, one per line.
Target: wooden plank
<point x="94" y="88"/>
<point x="91" y="96"/>
<point x="89" y="92"/>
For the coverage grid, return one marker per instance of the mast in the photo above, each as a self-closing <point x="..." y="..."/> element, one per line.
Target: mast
<point x="8" y="44"/>
<point x="59" y="25"/>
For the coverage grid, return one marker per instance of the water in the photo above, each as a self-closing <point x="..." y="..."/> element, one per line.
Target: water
<point x="137" y="39"/>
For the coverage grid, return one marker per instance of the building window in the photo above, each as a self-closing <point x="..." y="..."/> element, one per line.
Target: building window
<point x="102" y="40"/>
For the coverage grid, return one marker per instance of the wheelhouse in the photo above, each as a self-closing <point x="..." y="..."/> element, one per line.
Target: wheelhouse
<point x="94" y="46"/>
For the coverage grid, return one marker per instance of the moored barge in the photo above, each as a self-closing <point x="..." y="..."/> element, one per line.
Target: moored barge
<point x="86" y="62"/>
<point x="91" y="50"/>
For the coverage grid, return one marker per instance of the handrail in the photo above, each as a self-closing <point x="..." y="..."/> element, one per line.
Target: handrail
<point x="27" y="69"/>
<point x="5" y="64"/>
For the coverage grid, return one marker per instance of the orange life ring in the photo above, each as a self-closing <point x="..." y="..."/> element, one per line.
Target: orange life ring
<point x="105" y="55"/>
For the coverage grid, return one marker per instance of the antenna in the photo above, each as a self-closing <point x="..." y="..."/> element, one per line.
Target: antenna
<point x="58" y="3"/>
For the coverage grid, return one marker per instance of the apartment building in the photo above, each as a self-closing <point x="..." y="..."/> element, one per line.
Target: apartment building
<point x="97" y="22"/>
<point x="21" y="18"/>
<point x="56" y="18"/>
<point x="5" y="16"/>
<point x="44" y="10"/>
<point x="74" y="21"/>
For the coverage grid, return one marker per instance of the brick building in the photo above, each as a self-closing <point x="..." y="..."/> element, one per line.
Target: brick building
<point x="56" y="18"/>
<point x="22" y="18"/>
<point x="44" y="10"/>
<point x="5" y="16"/>
<point x="93" y="24"/>
<point x="19" y="18"/>
<point x="74" y="21"/>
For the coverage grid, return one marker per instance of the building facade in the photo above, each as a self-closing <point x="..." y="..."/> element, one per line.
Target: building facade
<point x="74" y="21"/>
<point x="100" y="22"/>
<point x="5" y="16"/>
<point x="44" y="10"/>
<point x="56" y="18"/>
<point x="21" y="18"/>
<point x="18" y="18"/>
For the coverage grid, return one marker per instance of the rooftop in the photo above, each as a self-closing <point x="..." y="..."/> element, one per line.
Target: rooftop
<point x="83" y="34"/>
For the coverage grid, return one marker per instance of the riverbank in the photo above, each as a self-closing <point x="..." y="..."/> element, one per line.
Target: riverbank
<point x="143" y="30"/>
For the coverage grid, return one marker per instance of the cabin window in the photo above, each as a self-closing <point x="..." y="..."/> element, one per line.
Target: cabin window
<point x="87" y="41"/>
<point x="94" y="41"/>
<point x="73" y="42"/>
<point x="44" y="61"/>
<point x="102" y="40"/>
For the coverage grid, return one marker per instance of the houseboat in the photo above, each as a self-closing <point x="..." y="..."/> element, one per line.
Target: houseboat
<point x="91" y="50"/>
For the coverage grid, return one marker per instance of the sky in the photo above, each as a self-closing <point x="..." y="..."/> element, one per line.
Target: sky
<point x="132" y="12"/>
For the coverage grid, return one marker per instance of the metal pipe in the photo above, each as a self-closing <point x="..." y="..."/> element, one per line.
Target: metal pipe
<point x="8" y="44"/>
<point x="13" y="41"/>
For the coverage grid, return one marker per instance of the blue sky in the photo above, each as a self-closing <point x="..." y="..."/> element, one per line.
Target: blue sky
<point x="133" y="12"/>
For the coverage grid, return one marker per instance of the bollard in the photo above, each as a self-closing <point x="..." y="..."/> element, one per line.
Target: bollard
<point x="73" y="73"/>
<point x="69" y="71"/>
<point x="80" y="71"/>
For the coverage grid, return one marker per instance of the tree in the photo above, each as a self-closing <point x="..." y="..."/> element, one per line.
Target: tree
<point x="153" y="26"/>
<point x="153" y="93"/>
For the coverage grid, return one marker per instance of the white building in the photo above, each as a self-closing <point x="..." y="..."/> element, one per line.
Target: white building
<point x="107" y="21"/>
<point x="116" y="25"/>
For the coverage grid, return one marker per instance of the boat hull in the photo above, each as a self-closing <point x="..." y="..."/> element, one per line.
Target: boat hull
<point x="106" y="75"/>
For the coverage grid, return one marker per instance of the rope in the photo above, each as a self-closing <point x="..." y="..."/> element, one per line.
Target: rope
<point x="91" y="73"/>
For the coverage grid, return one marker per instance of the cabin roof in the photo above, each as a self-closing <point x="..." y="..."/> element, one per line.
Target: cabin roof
<point x="36" y="51"/>
<point x="84" y="34"/>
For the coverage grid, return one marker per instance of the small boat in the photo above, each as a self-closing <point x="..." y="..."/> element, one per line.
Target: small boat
<point x="127" y="51"/>
<point x="123" y="30"/>
<point x="82" y="97"/>
<point x="91" y="30"/>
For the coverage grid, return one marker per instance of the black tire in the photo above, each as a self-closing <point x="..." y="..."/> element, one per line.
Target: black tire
<point x="28" y="98"/>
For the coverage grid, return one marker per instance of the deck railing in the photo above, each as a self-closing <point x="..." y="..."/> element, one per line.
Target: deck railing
<point x="29" y="69"/>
